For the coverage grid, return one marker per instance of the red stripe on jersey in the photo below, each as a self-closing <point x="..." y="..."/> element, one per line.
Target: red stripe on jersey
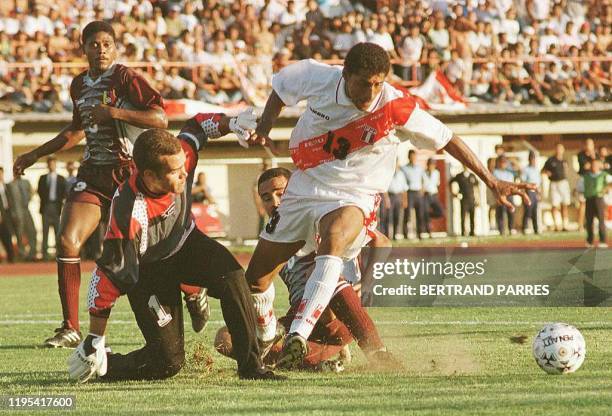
<point x="366" y="131"/>
<point x="102" y="294"/>
<point x="191" y="155"/>
<point x="215" y="117"/>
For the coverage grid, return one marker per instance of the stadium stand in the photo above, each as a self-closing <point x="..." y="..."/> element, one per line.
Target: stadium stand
<point x="225" y="52"/>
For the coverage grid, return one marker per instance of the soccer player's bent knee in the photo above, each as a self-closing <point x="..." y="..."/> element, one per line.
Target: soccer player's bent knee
<point x="262" y="284"/>
<point x="69" y="245"/>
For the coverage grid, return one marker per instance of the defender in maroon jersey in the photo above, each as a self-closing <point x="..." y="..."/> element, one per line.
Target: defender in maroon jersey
<point x="98" y="96"/>
<point x="150" y="248"/>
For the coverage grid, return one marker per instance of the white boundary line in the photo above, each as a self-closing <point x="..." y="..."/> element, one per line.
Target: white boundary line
<point x="407" y="323"/>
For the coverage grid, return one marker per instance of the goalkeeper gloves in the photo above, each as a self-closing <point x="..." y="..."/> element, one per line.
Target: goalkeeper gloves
<point x="243" y="125"/>
<point x="88" y="360"/>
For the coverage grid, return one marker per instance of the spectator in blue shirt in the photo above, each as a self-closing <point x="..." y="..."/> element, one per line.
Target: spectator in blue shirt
<point x="414" y="177"/>
<point x="531" y="174"/>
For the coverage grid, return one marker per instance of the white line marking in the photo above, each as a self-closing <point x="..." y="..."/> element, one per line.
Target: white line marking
<point x="383" y="323"/>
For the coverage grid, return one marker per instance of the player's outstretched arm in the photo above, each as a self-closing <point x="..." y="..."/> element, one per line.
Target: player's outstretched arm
<point x="152" y="118"/>
<point x="502" y="189"/>
<point x="69" y="137"/>
<point x="274" y="105"/>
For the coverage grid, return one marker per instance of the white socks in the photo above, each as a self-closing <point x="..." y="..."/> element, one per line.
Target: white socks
<point x="266" y="321"/>
<point x="317" y="294"/>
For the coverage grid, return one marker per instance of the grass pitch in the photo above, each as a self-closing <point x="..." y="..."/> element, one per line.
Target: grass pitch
<point x="464" y="361"/>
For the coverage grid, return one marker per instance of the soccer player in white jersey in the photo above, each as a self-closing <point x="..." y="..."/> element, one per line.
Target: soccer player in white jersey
<point x="345" y="148"/>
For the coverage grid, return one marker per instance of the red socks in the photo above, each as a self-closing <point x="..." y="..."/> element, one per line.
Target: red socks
<point x="347" y="307"/>
<point x="69" y="282"/>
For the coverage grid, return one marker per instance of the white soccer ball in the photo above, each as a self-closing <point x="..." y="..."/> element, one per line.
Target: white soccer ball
<point x="559" y="348"/>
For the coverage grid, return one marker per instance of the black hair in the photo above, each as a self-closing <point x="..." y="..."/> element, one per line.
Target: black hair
<point x="368" y="58"/>
<point x="273" y="173"/>
<point x="94" y="27"/>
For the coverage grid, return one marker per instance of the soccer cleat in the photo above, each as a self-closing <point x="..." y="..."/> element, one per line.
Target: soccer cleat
<point x="266" y="346"/>
<point x="261" y="374"/>
<point x="294" y="351"/>
<point x="384" y="360"/>
<point x="65" y="337"/>
<point x="199" y="309"/>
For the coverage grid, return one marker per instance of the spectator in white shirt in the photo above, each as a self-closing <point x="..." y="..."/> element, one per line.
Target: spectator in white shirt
<point x="188" y="17"/>
<point x="290" y="17"/>
<point x="558" y="20"/>
<point x="510" y="26"/>
<point x="538" y="9"/>
<point x="549" y="38"/>
<point x="410" y="52"/>
<point x="440" y="38"/>
<point x="382" y="38"/>
<point x="569" y="38"/>
<point x="345" y="39"/>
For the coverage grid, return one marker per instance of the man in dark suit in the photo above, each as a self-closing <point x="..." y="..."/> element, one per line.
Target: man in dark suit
<point x="467" y="182"/>
<point x="6" y="222"/>
<point x="52" y="192"/>
<point x="20" y="194"/>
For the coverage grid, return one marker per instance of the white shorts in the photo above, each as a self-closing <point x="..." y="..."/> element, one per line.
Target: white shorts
<point x="305" y="202"/>
<point x="560" y="193"/>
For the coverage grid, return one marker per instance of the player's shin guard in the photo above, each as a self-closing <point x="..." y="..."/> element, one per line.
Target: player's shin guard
<point x="317" y="294"/>
<point x="239" y="315"/>
<point x="347" y="307"/>
<point x="264" y="308"/>
<point x="69" y="282"/>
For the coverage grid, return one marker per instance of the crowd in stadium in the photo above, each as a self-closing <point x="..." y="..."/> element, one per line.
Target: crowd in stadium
<point x="228" y="50"/>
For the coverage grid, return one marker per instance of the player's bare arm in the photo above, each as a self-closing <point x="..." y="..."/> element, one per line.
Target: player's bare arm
<point x="69" y="137"/>
<point x="154" y="118"/>
<point x="274" y="105"/>
<point x="502" y="189"/>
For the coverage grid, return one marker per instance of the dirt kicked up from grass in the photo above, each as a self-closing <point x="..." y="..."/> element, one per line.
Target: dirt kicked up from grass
<point x="455" y="361"/>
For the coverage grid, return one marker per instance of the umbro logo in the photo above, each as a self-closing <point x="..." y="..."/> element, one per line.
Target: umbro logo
<point x="318" y="113"/>
<point x="169" y="211"/>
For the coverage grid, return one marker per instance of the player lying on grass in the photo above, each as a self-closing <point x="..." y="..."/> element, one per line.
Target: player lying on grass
<point x="342" y="321"/>
<point x="345" y="148"/>
<point x="98" y="95"/>
<point x="150" y="248"/>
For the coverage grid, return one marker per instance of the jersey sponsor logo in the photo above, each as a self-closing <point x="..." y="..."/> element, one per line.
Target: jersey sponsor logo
<point x="318" y="113"/>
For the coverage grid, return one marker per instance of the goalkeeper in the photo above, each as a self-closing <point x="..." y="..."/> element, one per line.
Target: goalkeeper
<point x="150" y="248"/>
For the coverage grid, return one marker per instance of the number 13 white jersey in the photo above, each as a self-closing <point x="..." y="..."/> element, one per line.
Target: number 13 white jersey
<point x="340" y="146"/>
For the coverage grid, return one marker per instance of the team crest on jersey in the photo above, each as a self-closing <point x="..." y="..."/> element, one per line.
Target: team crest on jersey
<point x="369" y="133"/>
<point x="109" y="97"/>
